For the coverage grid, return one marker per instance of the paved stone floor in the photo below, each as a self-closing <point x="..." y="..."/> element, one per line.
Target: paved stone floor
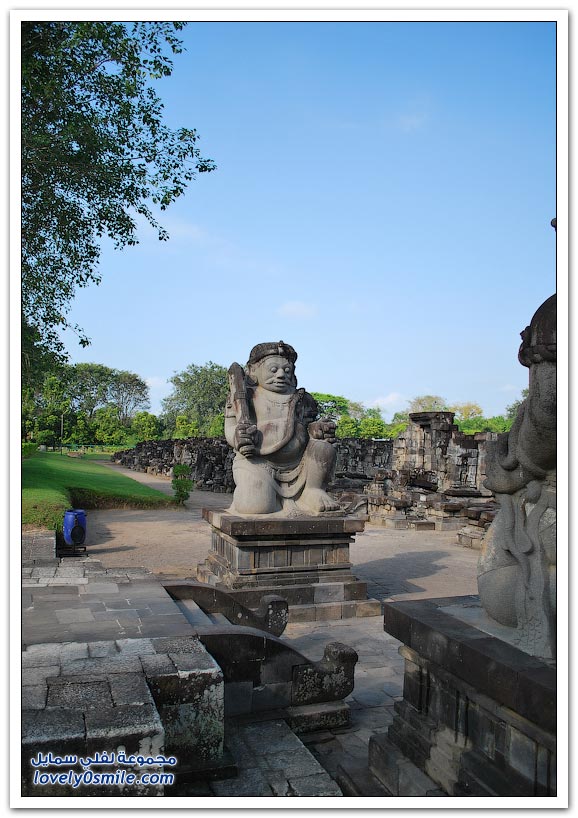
<point x="395" y="564"/>
<point x="79" y="600"/>
<point x="272" y="762"/>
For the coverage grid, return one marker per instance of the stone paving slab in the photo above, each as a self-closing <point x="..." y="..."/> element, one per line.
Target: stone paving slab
<point x="274" y="762"/>
<point x="38" y="543"/>
<point x="84" y="601"/>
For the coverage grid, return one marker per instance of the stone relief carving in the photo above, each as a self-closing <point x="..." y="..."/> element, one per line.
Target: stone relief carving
<point x="517" y="566"/>
<point x="284" y="456"/>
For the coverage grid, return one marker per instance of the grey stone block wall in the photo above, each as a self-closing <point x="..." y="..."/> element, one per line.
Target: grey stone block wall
<point x="431" y="445"/>
<point x="135" y="696"/>
<point x="211" y="459"/>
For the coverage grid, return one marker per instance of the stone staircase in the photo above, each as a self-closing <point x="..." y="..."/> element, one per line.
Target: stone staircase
<point x="166" y="695"/>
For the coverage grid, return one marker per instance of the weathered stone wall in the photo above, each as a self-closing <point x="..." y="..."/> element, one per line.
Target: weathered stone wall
<point x="431" y="453"/>
<point x="211" y="460"/>
<point x="360" y="459"/>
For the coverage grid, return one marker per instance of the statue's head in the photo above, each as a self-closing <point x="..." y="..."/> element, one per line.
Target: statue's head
<point x="272" y="366"/>
<point x="539" y="338"/>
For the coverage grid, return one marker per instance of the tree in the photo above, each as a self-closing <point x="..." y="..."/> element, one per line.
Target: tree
<point x="94" y="386"/>
<point x="392" y="430"/>
<point x="512" y="409"/>
<point x="373" y="412"/>
<point x="127" y="393"/>
<point x="37" y="359"/>
<point x="51" y="414"/>
<point x="372" y="426"/>
<point x="96" y="155"/>
<point x="185" y="427"/>
<point x="28" y="413"/>
<point x="466" y="411"/>
<point x="145" y="426"/>
<point x="199" y="393"/>
<point x="473" y="425"/>
<point x="476" y="424"/>
<point x="88" y="386"/>
<point x="499" y="424"/>
<point x="427" y="403"/>
<point x="331" y="406"/>
<point x="347" y="427"/>
<point x="355" y="409"/>
<point x="82" y="432"/>
<point x="216" y="427"/>
<point x="181" y="483"/>
<point x="108" y="429"/>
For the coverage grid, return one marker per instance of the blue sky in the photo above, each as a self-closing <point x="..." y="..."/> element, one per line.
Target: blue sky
<point x="382" y="202"/>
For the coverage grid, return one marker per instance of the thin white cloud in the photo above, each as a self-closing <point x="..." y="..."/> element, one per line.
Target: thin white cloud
<point x="410" y="122"/>
<point x="155" y="382"/>
<point x="181" y="229"/>
<point x="508" y="387"/>
<point x="392" y="401"/>
<point x="297" y="309"/>
<point x="411" y="116"/>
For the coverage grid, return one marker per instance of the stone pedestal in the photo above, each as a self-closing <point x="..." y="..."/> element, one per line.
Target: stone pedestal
<point x="304" y="559"/>
<point x="478" y="715"/>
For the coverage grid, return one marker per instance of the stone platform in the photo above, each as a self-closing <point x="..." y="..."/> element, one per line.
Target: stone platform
<point x="478" y="715"/>
<point x="112" y="664"/>
<point x="304" y="559"/>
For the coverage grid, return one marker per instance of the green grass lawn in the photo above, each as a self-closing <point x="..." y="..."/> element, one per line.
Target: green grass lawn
<point x="51" y="483"/>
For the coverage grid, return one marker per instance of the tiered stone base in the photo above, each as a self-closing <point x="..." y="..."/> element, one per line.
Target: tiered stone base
<point x="304" y="559"/>
<point x="478" y="715"/>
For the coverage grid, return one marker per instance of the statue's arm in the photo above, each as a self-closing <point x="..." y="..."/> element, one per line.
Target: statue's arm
<point x="528" y="451"/>
<point x="322" y="429"/>
<point x="230" y="426"/>
<point x="240" y="434"/>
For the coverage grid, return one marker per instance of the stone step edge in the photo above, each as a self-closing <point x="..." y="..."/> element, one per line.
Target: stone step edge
<point x="330" y="611"/>
<point x="396" y="772"/>
<point x="301" y="719"/>
<point x="356" y="780"/>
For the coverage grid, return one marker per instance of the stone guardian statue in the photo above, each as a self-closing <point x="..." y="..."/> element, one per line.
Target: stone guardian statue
<point x="517" y="566"/>
<point x="285" y="457"/>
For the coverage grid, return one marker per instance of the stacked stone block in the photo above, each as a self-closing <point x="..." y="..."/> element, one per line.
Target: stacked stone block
<point x="479" y="518"/>
<point x="141" y="697"/>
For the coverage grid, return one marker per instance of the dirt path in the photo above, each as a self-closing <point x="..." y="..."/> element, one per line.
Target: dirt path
<point x="171" y="541"/>
<point x="395" y="564"/>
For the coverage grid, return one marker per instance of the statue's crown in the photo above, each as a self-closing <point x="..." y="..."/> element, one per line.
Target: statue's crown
<point x="272" y="348"/>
